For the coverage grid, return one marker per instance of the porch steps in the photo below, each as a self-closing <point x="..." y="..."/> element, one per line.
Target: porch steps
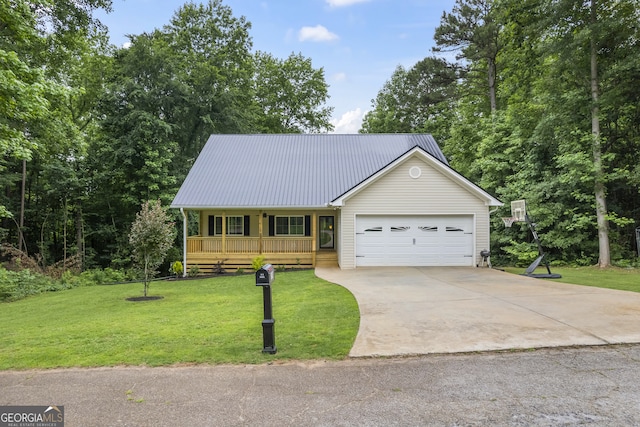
<point x="326" y="259"/>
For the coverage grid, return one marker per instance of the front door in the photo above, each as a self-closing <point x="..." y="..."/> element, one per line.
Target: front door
<point x="326" y="227"/>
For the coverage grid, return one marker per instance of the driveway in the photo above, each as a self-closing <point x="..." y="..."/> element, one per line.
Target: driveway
<point x="406" y="311"/>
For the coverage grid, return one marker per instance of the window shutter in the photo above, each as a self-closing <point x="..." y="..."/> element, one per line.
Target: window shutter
<point x="307" y="225"/>
<point x="212" y="220"/>
<point x="272" y="225"/>
<point x="247" y="228"/>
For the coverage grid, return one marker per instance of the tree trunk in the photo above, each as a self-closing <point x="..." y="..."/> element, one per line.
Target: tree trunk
<point x="64" y="237"/>
<point x="80" y="235"/>
<point x="492" y="84"/>
<point x="604" y="256"/>
<point x="146" y="274"/>
<point x="22" y="197"/>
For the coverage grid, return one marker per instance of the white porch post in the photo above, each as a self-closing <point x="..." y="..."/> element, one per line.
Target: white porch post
<point x="224" y="233"/>
<point x="184" y="242"/>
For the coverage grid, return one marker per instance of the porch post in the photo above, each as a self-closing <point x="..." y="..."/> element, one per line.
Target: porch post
<point x="260" y="218"/>
<point x="314" y="239"/>
<point x="224" y="233"/>
<point x="184" y="242"/>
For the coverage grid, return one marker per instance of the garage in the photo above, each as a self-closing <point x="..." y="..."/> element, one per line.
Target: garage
<point x="422" y="240"/>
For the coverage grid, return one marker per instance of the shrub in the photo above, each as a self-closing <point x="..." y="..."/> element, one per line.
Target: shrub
<point x="177" y="268"/>
<point x="194" y="270"/>
<point x="257" y="262"/>
<point x="15" y="285"/>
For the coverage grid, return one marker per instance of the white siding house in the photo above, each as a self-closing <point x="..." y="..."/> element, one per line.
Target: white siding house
<point x="350" y="200"/>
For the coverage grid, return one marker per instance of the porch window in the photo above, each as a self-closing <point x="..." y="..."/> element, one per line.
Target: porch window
<point x="235" y="225"/>
<point x="290" y="226"/>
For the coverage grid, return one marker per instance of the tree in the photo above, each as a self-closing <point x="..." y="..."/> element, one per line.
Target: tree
<point x="151" y="236"/>
<point x="472" y="28"/>
<point x="594" y="44"/>
<point x="42" y="48"/>
<point x="419" y="99"/>
<point x="290" y="95"/>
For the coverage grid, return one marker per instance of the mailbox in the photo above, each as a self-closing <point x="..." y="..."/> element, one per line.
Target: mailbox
<point x="265" y="275"/>
<point x="264" y="278"/>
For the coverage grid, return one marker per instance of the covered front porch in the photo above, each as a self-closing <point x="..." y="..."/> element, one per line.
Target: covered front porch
<point x="233" y="239"/>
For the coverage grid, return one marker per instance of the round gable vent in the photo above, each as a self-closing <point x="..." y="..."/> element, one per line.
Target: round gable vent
<point x="415" y="172"/>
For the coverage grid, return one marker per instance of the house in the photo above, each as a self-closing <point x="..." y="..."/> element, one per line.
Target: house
<point x="325" y="199"/>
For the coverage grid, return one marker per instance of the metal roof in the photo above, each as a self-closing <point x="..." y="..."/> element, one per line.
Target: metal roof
<point x="290" y="170"/>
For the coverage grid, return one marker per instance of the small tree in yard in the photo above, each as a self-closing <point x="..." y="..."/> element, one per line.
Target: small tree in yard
<point x="151" y="236"/>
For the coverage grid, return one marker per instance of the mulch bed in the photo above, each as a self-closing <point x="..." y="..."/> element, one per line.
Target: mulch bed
<point x="147" y="298"/>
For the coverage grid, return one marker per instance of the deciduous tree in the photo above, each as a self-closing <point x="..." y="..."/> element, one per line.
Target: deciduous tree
<point x="151" y="236"/>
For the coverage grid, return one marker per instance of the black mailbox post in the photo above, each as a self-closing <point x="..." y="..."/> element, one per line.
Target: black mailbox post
<point x="265" y="277"/>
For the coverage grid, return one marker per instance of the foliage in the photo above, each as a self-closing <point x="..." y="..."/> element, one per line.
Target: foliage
<point x="257" y="262"/>
<point x="194" y="270"/>
<point x="419" y="99"/>
<point x="177" y="268"/>
<point x="290" y="94"/>
<point x="16" y="285"/>
<point x="21" y="284"/>
<point x="560" y="67"/>
<point x="100" y="328"/>
<point x="102" y="129"/>
<point x="151" y="237"/>
<point x="473" y="29"/>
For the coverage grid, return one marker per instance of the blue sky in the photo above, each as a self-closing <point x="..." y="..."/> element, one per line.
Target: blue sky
<point x="358" y="42"/>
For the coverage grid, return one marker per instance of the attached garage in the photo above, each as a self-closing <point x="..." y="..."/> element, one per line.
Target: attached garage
<point x="420" y="240"/>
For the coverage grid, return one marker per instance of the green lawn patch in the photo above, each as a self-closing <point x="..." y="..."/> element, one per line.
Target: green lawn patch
<point x="217" y="320"/>
<point x="611" y="278"/>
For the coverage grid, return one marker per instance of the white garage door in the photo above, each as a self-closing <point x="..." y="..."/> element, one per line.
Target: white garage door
<point x="414" y="240"/>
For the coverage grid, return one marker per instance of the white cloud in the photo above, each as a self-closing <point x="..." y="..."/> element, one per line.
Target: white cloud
<point x="342" y="3"/>
<point x="349" y="122"/>
<point x="126" y="45"/>
<point x="316" y="34"/>
<point x="339" y="77"/>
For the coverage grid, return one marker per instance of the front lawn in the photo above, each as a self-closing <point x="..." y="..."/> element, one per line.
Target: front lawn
<point x="217" y="320"/>
<point x="611" y="278"/>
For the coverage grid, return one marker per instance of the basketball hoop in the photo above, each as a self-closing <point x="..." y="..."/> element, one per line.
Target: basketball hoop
<point x="508" y="221"/>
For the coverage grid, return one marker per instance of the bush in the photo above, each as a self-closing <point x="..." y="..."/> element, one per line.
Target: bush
<point x="257" y="262"/>
<point x="15" y="285"/>
<point x="177" y="268"/>
<point x="194" y="270"/>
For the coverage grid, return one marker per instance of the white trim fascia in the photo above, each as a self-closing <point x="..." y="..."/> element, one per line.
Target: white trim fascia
<point x="436" y="164"/>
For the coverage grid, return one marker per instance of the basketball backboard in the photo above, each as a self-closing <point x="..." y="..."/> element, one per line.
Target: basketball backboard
<point x="519" y="210"/>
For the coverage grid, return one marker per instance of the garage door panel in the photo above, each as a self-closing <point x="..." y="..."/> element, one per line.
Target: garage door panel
<point x="414" y="240"/>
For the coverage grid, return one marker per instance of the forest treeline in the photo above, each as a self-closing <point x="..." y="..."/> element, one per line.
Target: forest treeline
<point x="531" y="99"/>
<point x="535" y="100"/>
<point x="90" y="131"/>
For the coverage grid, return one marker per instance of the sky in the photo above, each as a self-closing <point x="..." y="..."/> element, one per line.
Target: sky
<point x="358" y="43"/>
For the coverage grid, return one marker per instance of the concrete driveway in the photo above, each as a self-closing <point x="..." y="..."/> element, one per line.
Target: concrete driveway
<point x="423" y="310"/>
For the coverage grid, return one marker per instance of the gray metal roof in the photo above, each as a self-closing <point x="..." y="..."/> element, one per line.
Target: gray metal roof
<point x="290" y="170"/>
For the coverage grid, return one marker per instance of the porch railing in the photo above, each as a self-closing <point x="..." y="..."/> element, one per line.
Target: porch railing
<point x="249" y="245"/>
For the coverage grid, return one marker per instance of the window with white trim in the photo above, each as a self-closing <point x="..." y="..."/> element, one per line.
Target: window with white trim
<point x="289" y="225"/>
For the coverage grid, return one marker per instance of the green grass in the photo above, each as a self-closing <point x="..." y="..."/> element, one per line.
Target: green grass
<point x="610" y="278"/>
<point x="215" y="320"/>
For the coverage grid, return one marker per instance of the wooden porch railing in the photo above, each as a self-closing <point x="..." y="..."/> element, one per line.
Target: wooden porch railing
<point x="249" y="245"/>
